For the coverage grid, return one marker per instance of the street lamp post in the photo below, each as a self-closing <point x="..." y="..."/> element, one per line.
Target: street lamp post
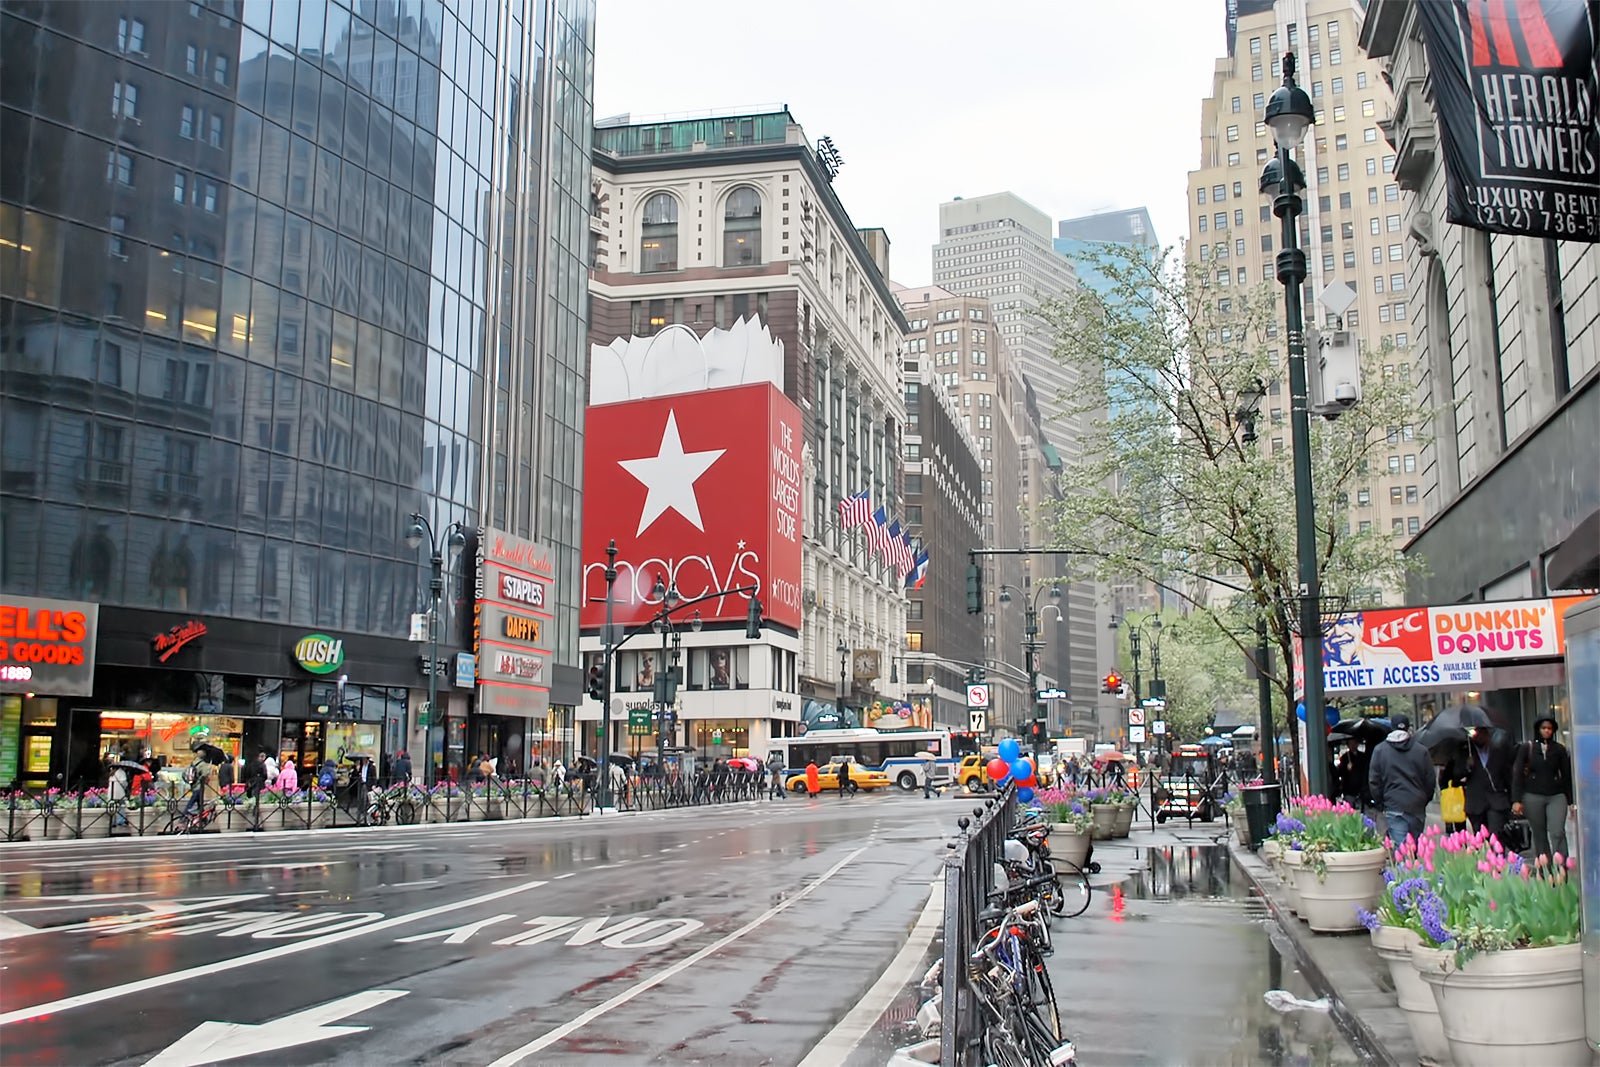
<point x="451" y="540"/>
<point x="1031" y="645"/>
<point x="1249" y="409"/>
<point x="1135" y="632"/>
<point x="844" y="663"/>
<point x="1289" y="115"/>
<point x="666" y="677"/>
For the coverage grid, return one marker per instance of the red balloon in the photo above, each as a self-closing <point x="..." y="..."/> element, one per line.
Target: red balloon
<point x="1031" y="783"/>
<point x="998" y="769"/>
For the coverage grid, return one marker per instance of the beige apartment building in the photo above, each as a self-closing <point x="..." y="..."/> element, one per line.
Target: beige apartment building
<point x="1352" y="228"/>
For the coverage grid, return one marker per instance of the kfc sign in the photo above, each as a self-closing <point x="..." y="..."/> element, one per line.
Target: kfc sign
<point x="701" y="489"/>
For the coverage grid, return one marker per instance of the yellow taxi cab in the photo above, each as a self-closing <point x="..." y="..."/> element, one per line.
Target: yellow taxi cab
<point x="973" y="774"/>
<point x="863" y="778"/>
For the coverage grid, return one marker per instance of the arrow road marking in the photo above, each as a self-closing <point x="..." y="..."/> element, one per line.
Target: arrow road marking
<point x="212" y="1042"/>
<point x="160" y="981"/>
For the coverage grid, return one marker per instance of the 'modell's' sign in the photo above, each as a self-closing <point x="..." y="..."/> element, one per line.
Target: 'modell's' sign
<point x="47" y="646"/>
<point x="1515" y="90"/>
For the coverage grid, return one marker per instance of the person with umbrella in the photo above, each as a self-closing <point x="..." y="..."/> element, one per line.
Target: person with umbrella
<point x="1488" y="780"/>
<point x="1401" y="779"/>
<point x="202" y="773"/>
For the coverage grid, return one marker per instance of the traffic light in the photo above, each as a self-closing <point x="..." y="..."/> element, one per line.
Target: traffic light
<point x="597" y="682"/>
<point x="752" y="620"/>
<point x="974" y="586"/>
<point x="976" y="675"/>
<point x="1112" y="683"/>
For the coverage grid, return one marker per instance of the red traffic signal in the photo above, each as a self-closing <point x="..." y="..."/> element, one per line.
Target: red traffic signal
<point x="1112" y="683"/>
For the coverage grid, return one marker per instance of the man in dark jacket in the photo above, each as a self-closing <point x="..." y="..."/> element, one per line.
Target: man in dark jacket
<point x="255" y="775"/>
<point x="401" y="768"/>
<point x="1488" y="781"/>
<point x="1401" y="778"/>
<point x="1541" y="788"/>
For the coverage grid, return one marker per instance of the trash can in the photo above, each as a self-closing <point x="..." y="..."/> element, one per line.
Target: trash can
<point x="1261" y="806"/>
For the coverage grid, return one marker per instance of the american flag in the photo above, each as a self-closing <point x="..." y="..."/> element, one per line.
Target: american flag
<point x="855" y="511"/>
<point x="878" y="535"/>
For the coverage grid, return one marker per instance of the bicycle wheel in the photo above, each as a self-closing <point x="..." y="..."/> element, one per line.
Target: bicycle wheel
<point x="1041" y="994"/>
<point x="1001" y="1049"/>
<point x="1072" y="892"/>
<point x="405" y="813"/>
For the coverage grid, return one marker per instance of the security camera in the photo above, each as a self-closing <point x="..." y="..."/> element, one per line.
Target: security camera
<point x="1345" y="395"/>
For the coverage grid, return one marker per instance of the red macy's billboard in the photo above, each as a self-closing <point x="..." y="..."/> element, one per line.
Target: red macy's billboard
<point x="702" y="488"/>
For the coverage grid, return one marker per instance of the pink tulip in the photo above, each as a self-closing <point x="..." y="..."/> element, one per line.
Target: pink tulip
<point x="1558" y="859"/>
<point x="1492" y="906"/>
<point x="1427" y="865"/>
<point x="1571" y="863"/>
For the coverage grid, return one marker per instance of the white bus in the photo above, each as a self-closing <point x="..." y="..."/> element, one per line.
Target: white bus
<point x="895" y="752"/>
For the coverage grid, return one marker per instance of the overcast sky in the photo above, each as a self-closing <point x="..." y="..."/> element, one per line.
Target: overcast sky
<point x="1077" y="106"/>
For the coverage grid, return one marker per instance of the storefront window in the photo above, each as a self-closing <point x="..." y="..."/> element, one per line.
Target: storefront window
<point x="721" y="738"/>
<point x="166" y="735"/>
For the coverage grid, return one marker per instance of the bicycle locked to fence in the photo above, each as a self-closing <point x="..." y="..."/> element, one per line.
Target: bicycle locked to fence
<point x="995" y="1004"/>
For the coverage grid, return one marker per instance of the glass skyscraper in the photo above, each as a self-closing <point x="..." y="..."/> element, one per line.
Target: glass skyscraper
<point x="273" y="277"/>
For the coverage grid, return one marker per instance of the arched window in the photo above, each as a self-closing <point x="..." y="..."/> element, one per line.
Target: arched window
<point x="658" y="243"/>
<point x="741" y="228"/>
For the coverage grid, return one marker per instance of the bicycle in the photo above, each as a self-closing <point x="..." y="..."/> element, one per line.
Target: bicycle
<point x="1013" y="992"/>
<point x="192" y="822"/>
<point x="394" y="803"/>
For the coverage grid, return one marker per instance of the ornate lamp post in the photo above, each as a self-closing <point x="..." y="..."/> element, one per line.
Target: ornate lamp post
<point x="450" y="540"/>
<point x="1031" y="645"/>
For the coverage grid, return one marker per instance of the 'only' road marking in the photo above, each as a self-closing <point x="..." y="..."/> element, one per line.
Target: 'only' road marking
<point x="161" y="980"/>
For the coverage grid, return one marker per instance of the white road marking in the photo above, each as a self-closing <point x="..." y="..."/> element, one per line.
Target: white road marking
<point x="455" y="935"/>
<point x="160" y="981"/>
<point x="212" y="1042"/>
<point x="79" y="898"/>
<point x="10" y="928"/>
<point x="837" y="1045"/>
<point x="404" y="885"/>
<point x="517" y="1055"/>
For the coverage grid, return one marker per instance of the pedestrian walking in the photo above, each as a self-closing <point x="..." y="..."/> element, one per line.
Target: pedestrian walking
<point x="402" y="768"/>
<point x="844" y="777"/>
<point x="1401" y="778"/>
<point x="288" y="780"/>
<point x="255" y="775"/>
<point x="930" y="767"/>
<point x="775" y="770"/>
<point x="1541" y="788"/>
<point x="1488" y="781"/>
<point x="813" y="779"/>
<point x="117" y="794"/>
<point x="272" y="765"/>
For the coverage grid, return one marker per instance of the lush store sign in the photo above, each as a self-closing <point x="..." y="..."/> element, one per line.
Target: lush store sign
<point x="319" y="653"/>
<point x="47" y="646"/>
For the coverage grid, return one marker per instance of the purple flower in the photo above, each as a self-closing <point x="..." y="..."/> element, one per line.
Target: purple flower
<point x="1368" y="919"/>
<point x="1388" y="876"/>
<point x="1366" y="821"/>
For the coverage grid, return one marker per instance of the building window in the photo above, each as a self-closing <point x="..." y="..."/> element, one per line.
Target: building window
<point x="1411" y="494"/>
<point x="1411" y="463"/>
<point x="1200" y="195"/>
<point x="1255" y="46"/>
<point x="118" y="246"/>
<point x="215" y="134"/>
<point x="1370" y="135"/>
<point x="191" y="59"/>
<point x="1238" y="105"/>
<point x="219" y="70"/>
<point x="1233" y="133"/>
<point x="119" y="167"/>
<point x="741" y="228"/>
<point x="1255" y="72"/>
<point x="124" y="100"/>
<point x="130" y="35"/>
<point x="180" y="186"/>
<point x="658" y="245"/>
<point x="1394" y="494"/>
<point x="186" y="122"/>
<point x="1233" y="159"/>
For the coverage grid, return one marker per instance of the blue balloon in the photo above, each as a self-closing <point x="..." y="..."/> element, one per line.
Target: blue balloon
<point x="1009" y="749"/>
<point x="1024" y="794"/>
<point x="1022" y="770"/>
<point x="1300" y="710"/>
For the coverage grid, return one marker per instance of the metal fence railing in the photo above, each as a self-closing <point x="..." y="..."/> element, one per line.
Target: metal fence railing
<point x="969" y="878"/>
<point x="38" y="815"/>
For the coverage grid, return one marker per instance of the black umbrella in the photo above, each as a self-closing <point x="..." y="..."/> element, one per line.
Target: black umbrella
<point x="1373" y="730"/>
<point x="582" y="762"/>
<point x="138" y="768"/>
<point x="622" y="759"/>
<point x="212" y="754"/>
<point x="1450" y="727"/>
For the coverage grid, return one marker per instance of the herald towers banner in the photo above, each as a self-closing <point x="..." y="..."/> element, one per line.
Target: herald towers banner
<point x="1515" y="90"/>
<point x="702" y="489"/>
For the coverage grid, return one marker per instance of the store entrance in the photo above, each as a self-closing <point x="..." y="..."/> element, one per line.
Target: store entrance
<point x="302" y="742"/>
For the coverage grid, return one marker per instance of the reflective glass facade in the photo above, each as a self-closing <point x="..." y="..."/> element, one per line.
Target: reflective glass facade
<point x="275" y="275"/>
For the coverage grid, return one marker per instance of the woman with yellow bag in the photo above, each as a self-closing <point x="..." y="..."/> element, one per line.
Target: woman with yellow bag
<point x="1452" y="797"/>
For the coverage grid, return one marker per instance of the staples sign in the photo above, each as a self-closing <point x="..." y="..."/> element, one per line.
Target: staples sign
<point x="47" y="646"/>
<point x="522" y="590"/>
<point x="701" y="489"/>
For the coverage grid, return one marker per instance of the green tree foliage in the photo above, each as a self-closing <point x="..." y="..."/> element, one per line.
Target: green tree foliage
<point x="1200" y="664"/>
<point x="1166" y="488"/>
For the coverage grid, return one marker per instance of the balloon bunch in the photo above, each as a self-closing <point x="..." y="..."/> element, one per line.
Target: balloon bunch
<point x="1012" y="766"/>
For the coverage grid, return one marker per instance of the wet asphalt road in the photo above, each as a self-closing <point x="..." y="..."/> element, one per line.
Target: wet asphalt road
<point x="735" y="935"/>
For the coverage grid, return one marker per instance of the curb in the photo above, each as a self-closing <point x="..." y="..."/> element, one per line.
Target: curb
<point x="1367" y="1044"/>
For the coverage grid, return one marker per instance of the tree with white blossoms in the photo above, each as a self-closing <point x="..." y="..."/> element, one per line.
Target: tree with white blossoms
<point x="1167" y="490"/>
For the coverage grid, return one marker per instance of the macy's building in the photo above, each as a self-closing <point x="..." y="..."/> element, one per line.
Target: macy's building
<point x="744" y="377"/>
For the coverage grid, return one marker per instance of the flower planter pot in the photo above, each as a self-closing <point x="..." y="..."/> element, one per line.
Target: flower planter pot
<point x="1241" y="829"/>
<point x="1071" y="845"/>
<point x="1105" y="821"/>
<point x="67" y="824"/>
<point x="1122" y="826"/>
<point x="1518" y="1008"/>
<point x="22" y="825"/>
<point x="1328" y="902"/>
<point x="1289" y="859"/>
<point x="1393" y="945"/>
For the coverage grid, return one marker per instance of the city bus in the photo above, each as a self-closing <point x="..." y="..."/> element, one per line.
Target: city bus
<point x="892" y="751"/>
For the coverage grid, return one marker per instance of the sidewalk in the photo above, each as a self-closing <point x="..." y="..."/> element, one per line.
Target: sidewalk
<point x="1345" y="968"/>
